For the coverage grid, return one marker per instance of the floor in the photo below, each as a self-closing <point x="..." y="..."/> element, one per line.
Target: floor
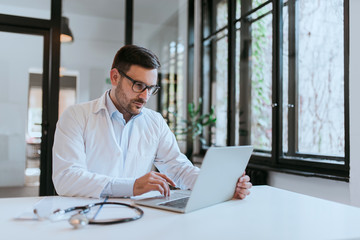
<point x="31" y="188"/>
<point x="31" y="191"/>
<point x="32" y="175"/>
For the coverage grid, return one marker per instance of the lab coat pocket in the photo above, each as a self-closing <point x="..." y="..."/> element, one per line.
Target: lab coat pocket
<point x="147" y="154"/>
<point x="141" y="156"/>
<point x="138" y="165"/>
<point x="148" y="147"/>
<point x="144" y="165"/>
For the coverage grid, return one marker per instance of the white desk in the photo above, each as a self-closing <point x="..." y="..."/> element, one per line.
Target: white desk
<point x="268" y="213"/>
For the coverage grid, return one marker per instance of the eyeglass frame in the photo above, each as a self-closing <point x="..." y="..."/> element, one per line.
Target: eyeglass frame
<point x="155" y="87"/>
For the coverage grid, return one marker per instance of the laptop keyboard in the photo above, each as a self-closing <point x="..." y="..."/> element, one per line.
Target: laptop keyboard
<point x="177" y="203"/>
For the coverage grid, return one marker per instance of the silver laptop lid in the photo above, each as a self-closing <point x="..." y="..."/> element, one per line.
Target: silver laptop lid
<point x="220" y="171"/>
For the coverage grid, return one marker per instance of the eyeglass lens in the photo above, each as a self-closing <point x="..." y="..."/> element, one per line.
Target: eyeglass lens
<point x="140" y="87"/>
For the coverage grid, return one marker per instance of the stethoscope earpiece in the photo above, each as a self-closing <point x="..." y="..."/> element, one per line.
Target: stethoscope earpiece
<point x="79" y="220"/>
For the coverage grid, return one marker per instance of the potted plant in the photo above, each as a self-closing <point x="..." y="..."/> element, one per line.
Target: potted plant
<point x="194" y="125"/>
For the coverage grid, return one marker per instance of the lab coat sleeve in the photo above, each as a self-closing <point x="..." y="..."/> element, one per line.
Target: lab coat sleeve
<point x="170" y="161"/>
<point x="70" y="174"/>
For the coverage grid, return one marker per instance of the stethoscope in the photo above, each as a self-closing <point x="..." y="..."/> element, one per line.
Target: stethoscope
<point x="80" y="219"/>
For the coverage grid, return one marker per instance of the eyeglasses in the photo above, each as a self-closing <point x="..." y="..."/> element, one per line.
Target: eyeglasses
<point x="139" y="87"/>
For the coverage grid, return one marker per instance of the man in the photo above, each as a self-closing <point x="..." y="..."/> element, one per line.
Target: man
<point x="107" y="147"/>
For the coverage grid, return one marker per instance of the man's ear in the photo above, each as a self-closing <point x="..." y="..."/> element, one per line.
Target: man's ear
<point x="114" y="77"/>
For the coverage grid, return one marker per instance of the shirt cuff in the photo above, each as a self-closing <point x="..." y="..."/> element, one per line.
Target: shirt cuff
<point x="122" y="187"/>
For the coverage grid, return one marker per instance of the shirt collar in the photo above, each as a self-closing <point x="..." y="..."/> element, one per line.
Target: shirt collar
<point x="110" y="105"/>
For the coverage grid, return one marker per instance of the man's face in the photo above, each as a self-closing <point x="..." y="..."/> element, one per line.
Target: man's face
<point x="127" y="101"/>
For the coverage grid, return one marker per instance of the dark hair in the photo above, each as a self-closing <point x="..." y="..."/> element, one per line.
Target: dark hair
<point x="134" y="55"/>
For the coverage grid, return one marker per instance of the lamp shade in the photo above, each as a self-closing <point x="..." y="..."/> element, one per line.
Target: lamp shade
<point x="66" y="34"/>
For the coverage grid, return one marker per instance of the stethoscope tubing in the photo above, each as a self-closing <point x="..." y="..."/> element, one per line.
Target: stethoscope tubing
<point x="119" y="220"/>
<point x="82" y="210"/>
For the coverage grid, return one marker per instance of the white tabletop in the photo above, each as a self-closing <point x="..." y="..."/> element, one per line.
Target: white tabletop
<point x="268" y="213"/>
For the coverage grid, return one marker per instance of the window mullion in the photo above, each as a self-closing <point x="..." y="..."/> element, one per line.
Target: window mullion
<point x="231" y="74"/>
<point x="277" y="81"/>
<point x="293" y="79"/>
<point x="245" y="75"/>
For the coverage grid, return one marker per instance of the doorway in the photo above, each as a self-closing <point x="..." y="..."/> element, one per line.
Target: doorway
<point x="67" y="97"/>
<point x="20" y="52"/>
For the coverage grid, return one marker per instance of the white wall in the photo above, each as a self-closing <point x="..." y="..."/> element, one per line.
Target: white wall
<point x="347" y="193"/>
<point x="92" y="52"/>
<point x="354" y="103"/>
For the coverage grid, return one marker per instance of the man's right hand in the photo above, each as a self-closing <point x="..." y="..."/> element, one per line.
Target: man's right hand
<point x="153" y="181"/>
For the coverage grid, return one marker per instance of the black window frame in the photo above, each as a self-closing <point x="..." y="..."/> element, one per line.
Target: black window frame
<point x="275" y="160"/>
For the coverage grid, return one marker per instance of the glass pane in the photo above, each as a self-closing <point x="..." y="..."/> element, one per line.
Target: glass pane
<point x="161" y="26"/>
<point x="256" y="3"/>
<point x="238" y="125"/>
<point x="221" y="14"/>
<point x="285" y="76"/>
<point x="238" y="9"/>
<point x="321" y="77"/>
<point x="261" y="80"/>
<point x="206" y="86"/>
<point x="35" y="105"/>
<point x="206" y="19"/>
<point x="264" y="10"/>
<point x="20" y="108"/>
<point x="220" y="90"/>
<point x="24" y="8"/>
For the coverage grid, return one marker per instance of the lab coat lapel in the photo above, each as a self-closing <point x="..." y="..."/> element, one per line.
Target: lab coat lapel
<point x="101" y="105"/>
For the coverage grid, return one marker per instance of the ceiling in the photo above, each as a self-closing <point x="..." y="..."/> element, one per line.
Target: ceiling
<point x="150" y="11"/>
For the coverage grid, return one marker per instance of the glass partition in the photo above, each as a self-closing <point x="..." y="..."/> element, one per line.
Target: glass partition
<point x="19" y="146"/>
<point x="25" y="8"/>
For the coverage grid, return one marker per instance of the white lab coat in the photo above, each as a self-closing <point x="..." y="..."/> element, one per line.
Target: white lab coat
<point x="86" y="155"/>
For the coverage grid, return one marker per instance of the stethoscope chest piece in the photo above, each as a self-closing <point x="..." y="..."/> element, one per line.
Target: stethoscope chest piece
<point x="79" y="220"/>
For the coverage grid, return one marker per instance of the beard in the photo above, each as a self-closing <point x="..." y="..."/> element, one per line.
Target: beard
<point x="130" y="106"/>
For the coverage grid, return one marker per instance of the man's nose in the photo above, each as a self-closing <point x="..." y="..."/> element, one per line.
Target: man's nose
<point x="144" y="94"/>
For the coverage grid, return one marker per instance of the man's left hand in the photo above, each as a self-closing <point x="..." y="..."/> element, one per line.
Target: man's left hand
<point x="242" y="187"/>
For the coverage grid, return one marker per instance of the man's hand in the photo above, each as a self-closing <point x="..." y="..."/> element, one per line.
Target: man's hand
<point x="242" y="187"/>
<point x="153" y="181"/>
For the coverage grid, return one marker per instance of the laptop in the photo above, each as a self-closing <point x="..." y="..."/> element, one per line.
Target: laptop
<point x="220" y="171"/>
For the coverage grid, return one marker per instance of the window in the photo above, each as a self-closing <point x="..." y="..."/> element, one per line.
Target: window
<point x="215" y="81"/>
<point x="282" y="68"/>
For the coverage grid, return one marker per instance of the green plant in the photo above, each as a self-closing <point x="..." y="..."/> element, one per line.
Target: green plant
<point x="196" y="122"/>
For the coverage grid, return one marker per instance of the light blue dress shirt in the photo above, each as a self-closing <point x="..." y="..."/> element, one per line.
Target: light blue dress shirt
<point x="122" y="131"/>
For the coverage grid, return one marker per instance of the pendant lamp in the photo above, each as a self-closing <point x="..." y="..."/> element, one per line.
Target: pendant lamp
<point x="66" y="34"/>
